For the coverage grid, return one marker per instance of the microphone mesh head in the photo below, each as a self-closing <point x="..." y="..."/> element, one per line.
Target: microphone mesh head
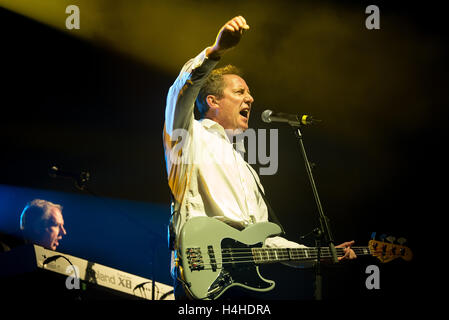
<point x="266" y="116"/>
<point x="53" y="171"/>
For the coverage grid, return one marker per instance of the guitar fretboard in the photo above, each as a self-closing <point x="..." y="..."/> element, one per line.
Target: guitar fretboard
<point x="271" y="255"/>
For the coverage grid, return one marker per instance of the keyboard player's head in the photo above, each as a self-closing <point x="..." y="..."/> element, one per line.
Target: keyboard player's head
<point x="42" y="223"/>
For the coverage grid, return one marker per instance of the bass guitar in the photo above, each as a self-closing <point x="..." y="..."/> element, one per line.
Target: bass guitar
<point x="213" y="257"/>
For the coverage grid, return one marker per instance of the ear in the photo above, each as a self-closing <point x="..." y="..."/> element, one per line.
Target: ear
<point x="212" y="101"/>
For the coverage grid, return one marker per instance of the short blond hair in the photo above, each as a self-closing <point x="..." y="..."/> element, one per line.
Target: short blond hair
<point x="36" y="214"/>
<point x="214" y="85"/>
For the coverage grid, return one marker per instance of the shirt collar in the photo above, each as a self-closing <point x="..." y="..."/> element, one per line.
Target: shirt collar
<point x="237" y="141"/>
<point x="208" y="123"/>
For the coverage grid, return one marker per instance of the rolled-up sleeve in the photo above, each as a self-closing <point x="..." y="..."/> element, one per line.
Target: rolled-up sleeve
<point x="182" y="94"/>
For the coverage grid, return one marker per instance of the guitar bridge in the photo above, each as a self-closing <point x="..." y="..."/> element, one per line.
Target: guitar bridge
<point x="194" y="259"/>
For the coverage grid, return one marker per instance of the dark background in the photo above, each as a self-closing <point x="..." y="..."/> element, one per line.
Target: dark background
<point x="380" y="161"/>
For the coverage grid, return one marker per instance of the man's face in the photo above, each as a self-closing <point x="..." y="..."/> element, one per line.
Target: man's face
<point x="235" y="104"/>
<point x="54" y="230"/>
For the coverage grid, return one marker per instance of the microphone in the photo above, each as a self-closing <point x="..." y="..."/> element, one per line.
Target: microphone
<point x="269" y="116"/>
<point x="51" y="259"/>
<point x="55" y="172"/>
<point x="80" y="178"/>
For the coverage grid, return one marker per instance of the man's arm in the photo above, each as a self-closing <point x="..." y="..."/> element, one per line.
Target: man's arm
<point x="182" y="94"/>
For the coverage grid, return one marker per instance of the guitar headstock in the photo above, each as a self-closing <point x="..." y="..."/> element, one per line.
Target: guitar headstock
<point x="388" y="251"/>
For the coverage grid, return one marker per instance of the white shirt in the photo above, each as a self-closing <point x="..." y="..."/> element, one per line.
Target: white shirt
<point x="206" y="175"/>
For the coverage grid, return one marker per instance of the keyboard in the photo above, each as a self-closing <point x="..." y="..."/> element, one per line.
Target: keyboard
<point x="80" y="273"/>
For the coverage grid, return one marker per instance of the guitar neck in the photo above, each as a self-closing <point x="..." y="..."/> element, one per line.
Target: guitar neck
<point x="272" y="255"/>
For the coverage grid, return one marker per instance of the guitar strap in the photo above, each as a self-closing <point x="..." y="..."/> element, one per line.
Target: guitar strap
<point x="171" y="229"/>
<point x="271" y="212"/>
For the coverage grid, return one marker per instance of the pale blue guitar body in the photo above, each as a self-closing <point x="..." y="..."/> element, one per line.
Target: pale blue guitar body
<point x="215" y="257"/>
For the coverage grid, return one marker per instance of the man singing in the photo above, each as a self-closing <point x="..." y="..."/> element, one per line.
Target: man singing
<point x="207" y="176"/>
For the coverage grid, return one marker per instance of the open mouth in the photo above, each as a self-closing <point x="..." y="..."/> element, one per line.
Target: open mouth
<point x="244" y="113"/>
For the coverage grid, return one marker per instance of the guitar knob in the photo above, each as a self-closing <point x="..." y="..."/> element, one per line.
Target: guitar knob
<point x="401" y="241"/>
<point x="391" y="239"/>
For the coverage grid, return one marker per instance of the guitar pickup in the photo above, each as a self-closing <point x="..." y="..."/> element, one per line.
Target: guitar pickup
<point x="213" y="262"/>
<point x="194" y="259"/>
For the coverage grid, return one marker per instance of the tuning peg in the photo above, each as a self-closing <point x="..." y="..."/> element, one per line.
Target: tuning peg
<point x="401" y="241"/>
<point x="391" y="239"/>
<point x="373" y="236"/>
<point x="382" y="237"/>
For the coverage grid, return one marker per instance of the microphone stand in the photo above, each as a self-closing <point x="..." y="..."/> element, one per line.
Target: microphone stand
<point x="324" y="230"/>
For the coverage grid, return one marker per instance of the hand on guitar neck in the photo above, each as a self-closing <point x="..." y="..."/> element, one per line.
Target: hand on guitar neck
<point x="349" y="253"/>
